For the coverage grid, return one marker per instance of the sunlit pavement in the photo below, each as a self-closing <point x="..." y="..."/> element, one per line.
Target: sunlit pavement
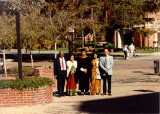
<point x="135" y="89"/>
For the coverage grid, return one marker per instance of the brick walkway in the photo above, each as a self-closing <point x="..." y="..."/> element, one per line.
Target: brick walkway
<point x="135" y="89"/>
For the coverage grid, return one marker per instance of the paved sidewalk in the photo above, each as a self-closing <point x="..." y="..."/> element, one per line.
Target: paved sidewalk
<point x="135" y="89"/>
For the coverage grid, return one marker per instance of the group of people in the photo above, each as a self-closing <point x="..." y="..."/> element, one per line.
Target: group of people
<point x="129" y="51"/>
<point x="82" y="71"/>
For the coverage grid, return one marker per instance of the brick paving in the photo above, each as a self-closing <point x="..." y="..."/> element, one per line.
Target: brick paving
<point x="133" y="83"/>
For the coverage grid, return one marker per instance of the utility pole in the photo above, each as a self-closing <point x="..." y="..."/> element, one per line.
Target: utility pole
<point x="19" y="44"/>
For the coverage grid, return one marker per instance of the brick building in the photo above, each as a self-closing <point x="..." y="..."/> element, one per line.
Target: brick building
<point x="126" y="36"/>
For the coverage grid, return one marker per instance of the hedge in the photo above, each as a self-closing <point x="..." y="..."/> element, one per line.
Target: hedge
<point x="26" y="70"/>
<point x="26" y="83"/>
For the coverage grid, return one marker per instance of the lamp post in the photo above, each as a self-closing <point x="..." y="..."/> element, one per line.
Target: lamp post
<point x="72" y="48"/>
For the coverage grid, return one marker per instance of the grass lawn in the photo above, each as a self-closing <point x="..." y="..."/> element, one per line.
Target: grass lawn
<point x="141" y="51"/>
<point x="146" y="51"/>
<point x="59" y="49"/>
<point x="67" y="50"/>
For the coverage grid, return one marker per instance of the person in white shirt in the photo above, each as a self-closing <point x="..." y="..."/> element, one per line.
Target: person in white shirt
<point x="131" y="48"/>
<point x="125" y="50"/>
<point x="71" y="83"/>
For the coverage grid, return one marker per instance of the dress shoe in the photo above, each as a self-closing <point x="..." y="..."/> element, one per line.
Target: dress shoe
<point x="104" y="94"/>
<point x="59" y="96"/>
<point x="63" y="95"/>
<point x="82" y="93"/>
<point x="109" y="94"/>
<point x="86" y="93"/>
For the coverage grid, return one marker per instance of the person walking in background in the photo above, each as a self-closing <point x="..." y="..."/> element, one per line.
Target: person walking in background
<point x="71" y="69"/>
<point x="106" y="64"/>
<point x="84" y="66"/>
<point x="95" y="77"/>
<point x="60" y="71"/>
<point x="125" y="50"/>
<point x="134" y="53"/>
<point x="128" y="52"/>
<point x="131" y="48"/>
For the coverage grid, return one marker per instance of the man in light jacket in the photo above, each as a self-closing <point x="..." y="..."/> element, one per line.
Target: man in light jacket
<point x="106" y="64"/>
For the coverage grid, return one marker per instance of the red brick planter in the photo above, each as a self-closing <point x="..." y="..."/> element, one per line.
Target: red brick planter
<point x="46" y="72"/>
<point x="42" y="95"/>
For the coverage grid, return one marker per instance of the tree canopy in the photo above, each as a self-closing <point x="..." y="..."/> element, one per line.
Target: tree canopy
<point x="51" y="21"/>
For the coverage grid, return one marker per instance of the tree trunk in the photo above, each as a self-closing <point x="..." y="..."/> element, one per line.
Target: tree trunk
<point x="39" y="50"/>
<point x="107" y="21"/>
<point x="83" y="39"/>
<point x="94" y="31"/>
<point x="31" y="57"/>
<point x="4" y="60"/>
<point x="55" y="47"/>
<point x="140" y="40"/>
<point x="145" y="42"/>
<point x="39" y="53"/>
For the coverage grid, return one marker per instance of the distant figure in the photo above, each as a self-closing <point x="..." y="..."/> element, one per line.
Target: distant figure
<point x="134" y="53"/>
<point x="131" y="48"/>
<point x="60" y="71"/>
<point x="106" y="64"/>
<point x="84" y="66"/>
<point x="95" y="77"/>
<point x="128" y="52"/>
<point x="71" y="69"/>
<point x="125" y="50"/>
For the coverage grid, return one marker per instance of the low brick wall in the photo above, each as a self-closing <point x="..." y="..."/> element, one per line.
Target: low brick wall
<point x="42" y="95"/>
<point x="47" y="72"/>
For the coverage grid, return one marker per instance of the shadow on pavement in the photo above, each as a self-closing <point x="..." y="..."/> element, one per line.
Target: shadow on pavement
<point x="144" y="90"/>
<point x="149" y="74"/>
<point x="143" y="73"/>
<point x="146" y="103"/>
<point x="137" y="72"/>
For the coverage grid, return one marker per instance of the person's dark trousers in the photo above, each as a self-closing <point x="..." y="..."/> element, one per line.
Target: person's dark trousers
<point x="61" y="82"/>
<point x="107" y="77"/>
<point x="84" y="84"/>
<point x="125" y="54"/>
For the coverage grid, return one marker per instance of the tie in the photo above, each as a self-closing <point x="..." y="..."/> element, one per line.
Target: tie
<point x="62" y="64"/>
<point x="106" y="61"/>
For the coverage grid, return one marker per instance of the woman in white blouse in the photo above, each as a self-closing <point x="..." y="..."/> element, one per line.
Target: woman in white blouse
<point x="71" y="69"/>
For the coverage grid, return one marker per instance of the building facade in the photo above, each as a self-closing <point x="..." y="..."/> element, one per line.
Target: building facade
<point x="126" y="36"/>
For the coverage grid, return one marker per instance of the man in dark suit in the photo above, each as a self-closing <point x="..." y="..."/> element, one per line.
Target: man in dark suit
<point x="60" y="71"/>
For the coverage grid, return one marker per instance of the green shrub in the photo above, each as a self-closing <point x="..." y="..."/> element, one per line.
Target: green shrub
<point x="137" y="48"/>
<point x="102" y="41"/>
<point x="146" y="48"/>
<point x="13" y="70"/>
<point x="142" y="48"/>
<point x="26" y="83"/>
<point x="26" y="70"/>
<point x="150" y="47"/>
<point x="109" y="46"/>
